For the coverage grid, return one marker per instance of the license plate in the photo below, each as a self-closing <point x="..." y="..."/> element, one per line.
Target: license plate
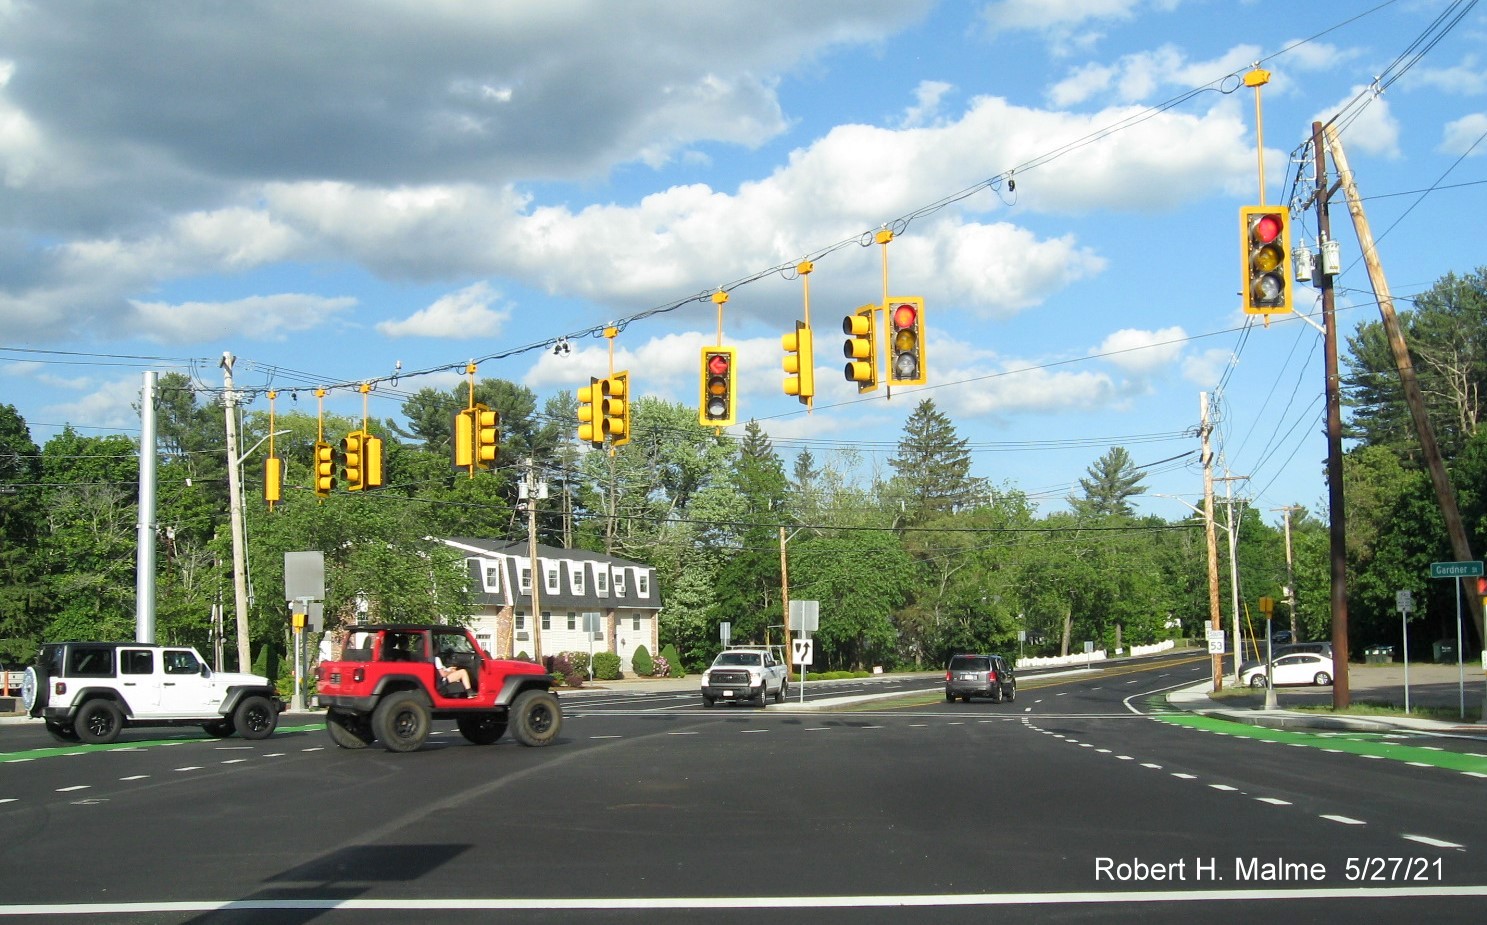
<point x="727" y="693"/>
<point x="968" y="676"/>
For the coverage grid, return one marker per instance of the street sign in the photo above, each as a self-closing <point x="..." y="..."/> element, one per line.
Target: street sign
<point x="1267" y="606"/>
<point x="1215" y="642"/>
<point x="725" y="632"/>
<point x="304" y="575"/>
<point x="1404" y="601"/>
<point x="805" y="616"/>
<point x="1456" y="569"/>
<point x="802" y="651"/>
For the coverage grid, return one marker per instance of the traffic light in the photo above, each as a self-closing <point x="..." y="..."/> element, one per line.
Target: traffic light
<point x="800" y="363"/>
<point x="353" y="460"/>
<point x="861" y="348"/>
<point x="463" y="442"/>
<point x="1264" y="252"/>
<point x="717" y="405"/>
<point x="372" y="461"/>
<point x="487" y="424"/>
<point x="590" y="424"/>
<point x="273" y="480"/>
<point x="325" y="468"/>
<point x="906" y="341"/>
<point x="615" y="395"/>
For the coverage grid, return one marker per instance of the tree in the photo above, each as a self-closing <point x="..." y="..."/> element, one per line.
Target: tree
<point x="1113" y="479"/>
<point x="22" y="597"/>
<point x="932" y="471"/>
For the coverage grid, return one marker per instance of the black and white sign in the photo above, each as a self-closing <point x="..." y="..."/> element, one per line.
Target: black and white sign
<point x="802" y="650"/>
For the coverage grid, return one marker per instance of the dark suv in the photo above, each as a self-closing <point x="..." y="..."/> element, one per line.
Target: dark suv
<point x="980" y="676"/>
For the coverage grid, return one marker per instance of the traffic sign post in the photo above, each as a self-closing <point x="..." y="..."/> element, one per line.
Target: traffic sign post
<point x="1458" y="571"/>
<point x="1404" y="602"/>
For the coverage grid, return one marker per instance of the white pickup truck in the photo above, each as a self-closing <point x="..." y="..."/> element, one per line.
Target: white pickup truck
<point x="746" y="673"/>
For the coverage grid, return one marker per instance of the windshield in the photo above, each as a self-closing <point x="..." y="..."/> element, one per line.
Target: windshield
<point x="744" y="659"/>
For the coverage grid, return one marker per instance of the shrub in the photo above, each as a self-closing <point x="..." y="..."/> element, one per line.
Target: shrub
<point x="661" y="667"/>
<point x="674" y="659"/>
<point x="642" y="662"/>
<point x="579" y="661"/>
<point x="606" y="666"/>
<point x="574" y="679"/>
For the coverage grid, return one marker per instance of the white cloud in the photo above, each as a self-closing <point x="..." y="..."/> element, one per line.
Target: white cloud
<point x="1206" y="368"/>
<point x="1371" y="127"/>
<point x="466" y="313"/>
<point x="1140" y="352"/>
<point x="257" y="318"/>
<point x="1465" y="136"/>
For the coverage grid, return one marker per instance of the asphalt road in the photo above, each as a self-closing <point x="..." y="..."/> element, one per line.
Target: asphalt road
<point x="1082" y="801"/>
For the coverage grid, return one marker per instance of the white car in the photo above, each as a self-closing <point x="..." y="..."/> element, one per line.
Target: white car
<point x="746" y="674"/>
<point x="1296" y="668"/>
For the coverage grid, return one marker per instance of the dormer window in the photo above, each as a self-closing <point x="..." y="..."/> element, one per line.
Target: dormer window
<point x="643" y="584"/>
<point x="601" y="583"/>
<point x="619" y="583"/>
<point x="493" y="579"/>
<point x="526" y="579"/>
<point x="552" y="580"/>
<point x="576" y="576"/>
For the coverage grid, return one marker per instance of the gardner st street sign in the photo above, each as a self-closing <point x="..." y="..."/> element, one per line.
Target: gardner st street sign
<point x="1455" y="569"/>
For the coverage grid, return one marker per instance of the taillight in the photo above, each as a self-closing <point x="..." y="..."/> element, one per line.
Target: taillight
<point x="359" y="675"/>
<point x="991" y="677"/>
<point x="60" y="687"/>
<point x="947" y="676"/>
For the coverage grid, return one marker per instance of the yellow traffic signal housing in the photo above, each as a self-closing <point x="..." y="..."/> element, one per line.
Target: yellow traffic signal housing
<point x="487" y="425"/>
<point x="325" y="468"/>
<point x="590" y="424"/>
<point x="273" y="480"/>
<point x="462" y="442"/>
<point x="1265" y="248"/>
<point x="861" y="348"/>
<point x="615" y="397"/>
<point x="371" y="460"/>
<point x="800" y="363"/>
<point x="717" y="406"/>
<point x="905" y="340"/>
<point x="353" y="460"/>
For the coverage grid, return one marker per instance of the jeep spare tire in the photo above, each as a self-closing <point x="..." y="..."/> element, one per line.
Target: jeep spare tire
<point x="34" y="689"/>
<point x="536" y="718"/>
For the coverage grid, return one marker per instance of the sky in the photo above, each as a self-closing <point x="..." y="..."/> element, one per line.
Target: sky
<point x="383" y="191"/>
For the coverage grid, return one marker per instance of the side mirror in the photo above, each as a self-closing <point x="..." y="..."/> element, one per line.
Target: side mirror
<point x="206" y="670"/>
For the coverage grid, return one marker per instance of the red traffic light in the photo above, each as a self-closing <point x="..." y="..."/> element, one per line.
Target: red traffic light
<point x="717" y="364"/>
<point x="904" y="316"/>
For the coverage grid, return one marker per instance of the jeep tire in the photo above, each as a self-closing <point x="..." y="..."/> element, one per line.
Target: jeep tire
<point x="255" y="718"/>
<point x="99" y="722"/>
<point x="349" y="730"/>
<point x="536" y="718"/>
<point x="402" y="721"/>
<point x="481" y="728"/>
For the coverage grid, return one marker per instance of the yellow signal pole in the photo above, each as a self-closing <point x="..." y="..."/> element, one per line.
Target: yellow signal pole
<point x="883" y="237"/>
<point x="1258" y="78"/>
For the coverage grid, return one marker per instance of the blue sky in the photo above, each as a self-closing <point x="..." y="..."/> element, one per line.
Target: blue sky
<point x="330" y="190"/>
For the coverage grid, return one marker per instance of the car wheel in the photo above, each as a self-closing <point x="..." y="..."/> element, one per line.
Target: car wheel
<point x="218" y="728"/>
<point x="481" y="728"/>
<point x="349" y="730"/>
<point x="536" y="718"/>
<point x="1013" y="694"/>
<point x="1323" y="679"/>
<point x="707" y="701"/>
<point x="1257" y="680"/>
<point x="996" y="693"/>
<point x="779" y="694"/>
<point x="99" y="722"/>
<point x="62" y="732"/>
<point x="255" y="718"/>
<point x="401" y="721"/>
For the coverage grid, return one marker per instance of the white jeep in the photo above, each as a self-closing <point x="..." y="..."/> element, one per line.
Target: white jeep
<point x="91" y="691"/>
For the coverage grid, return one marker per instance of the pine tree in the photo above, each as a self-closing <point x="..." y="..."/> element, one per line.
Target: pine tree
<point x="932" y="471"/>
<point x="1113" y="479"/>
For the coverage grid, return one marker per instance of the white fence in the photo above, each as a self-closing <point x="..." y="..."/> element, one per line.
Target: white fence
<point x="1080" y="658"/>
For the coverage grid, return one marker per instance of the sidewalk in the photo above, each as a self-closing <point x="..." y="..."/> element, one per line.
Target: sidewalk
<point x="1438" y="687"/>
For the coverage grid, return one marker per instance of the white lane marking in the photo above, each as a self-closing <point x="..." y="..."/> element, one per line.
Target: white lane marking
<point x="1274" y="801"/>
<point x="135" y="777"/>
<point x="72" y="788"/>
<point x="8" y="799"/>
<point x="1148" y="764"/>
<point x="685" y="733"/>
<point x="751" y="731"/>
<point x="1345" y="820"/>
<point x="1179" y="774"/>
<point x="1223" y="787"/>
<point x="235" y="760"/>
<point x="1433" y="842"/>
<point x="194" y="767"/>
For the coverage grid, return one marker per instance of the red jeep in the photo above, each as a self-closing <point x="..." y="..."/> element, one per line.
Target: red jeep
<point x="390" y="684"/>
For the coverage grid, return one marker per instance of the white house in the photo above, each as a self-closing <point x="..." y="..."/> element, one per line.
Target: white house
<point x="573" y="582"/>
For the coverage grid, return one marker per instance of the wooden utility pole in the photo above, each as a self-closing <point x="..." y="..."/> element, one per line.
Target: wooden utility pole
<point x="1445" y="493"/>
<point x="1290" y="572"/>
<point x="531" y="479"/>
<point x="1215" y="619"/>
<point x="1336" y="514"/>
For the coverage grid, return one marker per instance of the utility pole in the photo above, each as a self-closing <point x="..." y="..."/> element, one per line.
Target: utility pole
<point x="144" y="576"/>
<point x="1445" y="493"/>
<point x="1214" y="618"/>
<point x="235" y="511"/>
<point x="1336" y="513"/>
<point x="1290" y="572"/>
<point x="784" y="592"/>
<point x="1231" y="528"/>
<point x="531" y="492"/>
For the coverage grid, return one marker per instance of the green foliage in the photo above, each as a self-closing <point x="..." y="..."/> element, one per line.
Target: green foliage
<point x="606" y="666"/>
<point x="673" y="661"/>
<point x="641" y="662"/>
